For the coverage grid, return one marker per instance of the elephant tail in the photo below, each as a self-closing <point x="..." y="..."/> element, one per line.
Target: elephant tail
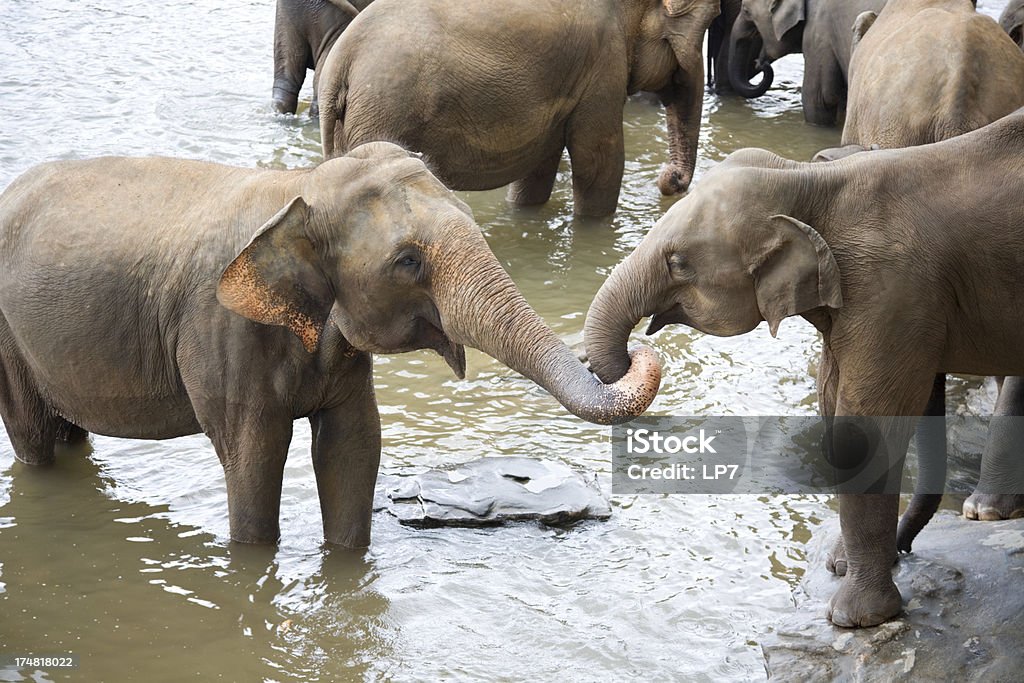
<point x="921" y="508"/>
<point x="332" y="113"/>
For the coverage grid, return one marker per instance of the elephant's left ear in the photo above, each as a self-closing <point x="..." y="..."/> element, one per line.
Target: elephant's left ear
<point x="277" y="278"/>
<point x="786" y="14"/>
<point x="796" y="273"/>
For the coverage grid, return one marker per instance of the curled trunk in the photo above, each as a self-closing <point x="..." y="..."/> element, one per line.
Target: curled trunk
<point x="744" y="51"/>
<point x="481" y="307"/>
<point x="623" y="300"/>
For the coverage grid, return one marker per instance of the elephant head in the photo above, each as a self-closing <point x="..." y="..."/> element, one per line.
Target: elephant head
<point x="665" y="40"/>
<point x="765" y="30"/>
<point x="1012" y="21"/>
<point x="377" y="246"/>
<point x="721" y="260"/>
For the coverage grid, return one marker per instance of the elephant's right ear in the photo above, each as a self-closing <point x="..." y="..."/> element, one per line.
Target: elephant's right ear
<point x="277" y="278"/>
<point x="796" y="273"/>
<point x="863" y="22"/>
<point x="786" y="14"/>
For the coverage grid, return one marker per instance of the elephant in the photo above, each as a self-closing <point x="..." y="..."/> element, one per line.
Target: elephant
<point x="767" y="30"/>
<point x="1012" y="21"/>
<point x="304" y="32"/>
<point x="719" y="39"/>
<point x="152" y="298"/>
<point x="492" y="96"/>
<point x="898" y="99"/>
<point x="895" y="271"/>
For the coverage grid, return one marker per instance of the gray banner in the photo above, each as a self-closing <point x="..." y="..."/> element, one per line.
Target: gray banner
<point x="807" y="454"/>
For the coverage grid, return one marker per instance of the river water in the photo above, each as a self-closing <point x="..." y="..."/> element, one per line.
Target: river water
<point x="122" y="556"/>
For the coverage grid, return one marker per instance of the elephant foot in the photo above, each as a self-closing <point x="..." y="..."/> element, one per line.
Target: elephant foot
<point x="674" y="180"/>
<point x="835" y="560"/>
<point x="860" y="603"/>
<point x="285" y="101"/>
<point x="993" y="506"/>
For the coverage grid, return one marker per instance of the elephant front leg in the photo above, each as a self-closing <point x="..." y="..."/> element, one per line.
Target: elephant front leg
<point x="867" y="595"/>
<point x="598" y="157"/>
<point x="536" y="187"/>
<point x="1000" y="490"/>
<point x="868" y="454"/>
<point x="346" y="457"/>
<point x="253" y="451"/>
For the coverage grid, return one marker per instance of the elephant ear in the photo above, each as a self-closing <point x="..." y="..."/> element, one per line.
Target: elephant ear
<point x="345" y="7"/>
<point x="863" y="22"/>
<point x="796" y="273"/>
<point x="277" y="278"/>
<point x="786" y="14"/>
<point x="675" y="8"/>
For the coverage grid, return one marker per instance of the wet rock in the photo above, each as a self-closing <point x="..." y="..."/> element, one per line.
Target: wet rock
<point x="492" y="491"/>
<point x="963" y="615"/>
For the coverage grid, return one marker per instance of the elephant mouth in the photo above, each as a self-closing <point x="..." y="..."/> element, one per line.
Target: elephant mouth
<point x="433" y="337"/>
<point x="670" y="316"/>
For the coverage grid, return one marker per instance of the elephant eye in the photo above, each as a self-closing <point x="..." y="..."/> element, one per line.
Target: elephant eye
<point x="408" y="262"/>
<point x="679" y="267"/>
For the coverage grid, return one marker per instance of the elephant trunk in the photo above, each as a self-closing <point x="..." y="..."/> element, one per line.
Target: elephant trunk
<point x="623" y="300"/>
<point x="481" y="307"/>
<point x="744" y="49"/>
<point x="683" y="99"/>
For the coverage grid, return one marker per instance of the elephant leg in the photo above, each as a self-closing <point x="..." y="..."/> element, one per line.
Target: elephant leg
<point x="536" y="187"/>
<point x="931" y="457"/>
<point x="872" y="469"/>
<point x="828" y="385"/>
<point x="1000" y="490"/>
<point x="252" y="447"/>
<point x="31" y="424"/>
<point x="597" y="153"/>
<point x="823" y="92"/>
<point x="292" y="55"/>
<point x="346" y="457"/>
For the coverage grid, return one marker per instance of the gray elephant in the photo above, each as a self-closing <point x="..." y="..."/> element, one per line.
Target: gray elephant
<point x="897" y="95"/>
<point x="767" y="30"/>
<point x="304" y="32"/>
<point x="142" y="298"/>
<point x="492" y="96"/>
<point x="719" y="39"/>
<point x="982" y="80"/>
<point x="1012" y="21"/>
<point x="897" y="289"/>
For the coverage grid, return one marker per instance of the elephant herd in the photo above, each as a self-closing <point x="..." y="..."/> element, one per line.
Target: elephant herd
<point x="154" y="297"/>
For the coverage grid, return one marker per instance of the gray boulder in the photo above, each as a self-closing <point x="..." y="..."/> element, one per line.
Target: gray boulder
<point x="492" y="491"/>
<point x="963" y="617"/>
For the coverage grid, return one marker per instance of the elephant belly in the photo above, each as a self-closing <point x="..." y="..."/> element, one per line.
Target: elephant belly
<point x="98" y="366"/>
<point x="479" y="145"/>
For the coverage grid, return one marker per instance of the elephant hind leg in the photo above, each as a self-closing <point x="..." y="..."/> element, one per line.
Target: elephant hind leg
<point x="536" y="187"/>
<point x="1000" y="490"/>
<point x="31" y="423"/>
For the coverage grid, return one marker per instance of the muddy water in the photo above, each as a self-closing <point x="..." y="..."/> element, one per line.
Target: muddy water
<point x="121" y="554"/>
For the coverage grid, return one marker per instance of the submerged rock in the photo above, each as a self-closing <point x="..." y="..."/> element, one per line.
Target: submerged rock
<point x="492" y="491"/>
<point x="963" y="615"/>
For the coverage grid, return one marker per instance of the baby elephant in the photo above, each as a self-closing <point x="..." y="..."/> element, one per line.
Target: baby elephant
<point x="907" y="261"/>
<point x="153" y="298"/>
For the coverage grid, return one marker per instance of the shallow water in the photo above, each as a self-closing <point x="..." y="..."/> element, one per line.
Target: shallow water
<point x="122" y="557"/>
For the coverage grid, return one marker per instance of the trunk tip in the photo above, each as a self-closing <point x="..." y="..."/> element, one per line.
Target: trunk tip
<point x="634" y="393"/>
